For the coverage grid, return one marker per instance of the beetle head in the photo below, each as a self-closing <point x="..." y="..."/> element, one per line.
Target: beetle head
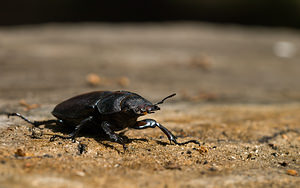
<point x="145" y="109"/>
<point x="140" y="106"/>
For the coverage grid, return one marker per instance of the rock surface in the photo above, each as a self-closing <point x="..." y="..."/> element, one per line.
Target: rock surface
<point x="235" y="95"/>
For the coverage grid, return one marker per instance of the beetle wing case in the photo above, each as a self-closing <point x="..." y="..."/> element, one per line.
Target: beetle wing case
<point x="80" y="106"/>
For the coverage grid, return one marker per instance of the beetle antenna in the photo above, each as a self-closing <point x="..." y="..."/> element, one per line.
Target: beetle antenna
<point x="162" y="101"/>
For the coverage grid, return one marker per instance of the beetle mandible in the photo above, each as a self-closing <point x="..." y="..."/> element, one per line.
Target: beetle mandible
<point x="112" y="111"/>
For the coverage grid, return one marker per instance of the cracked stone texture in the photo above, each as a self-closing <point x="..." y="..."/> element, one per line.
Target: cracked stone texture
<point x="234" y="94"/>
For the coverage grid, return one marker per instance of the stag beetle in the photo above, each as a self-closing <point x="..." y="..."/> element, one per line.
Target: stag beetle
<point x="112" y="111"/>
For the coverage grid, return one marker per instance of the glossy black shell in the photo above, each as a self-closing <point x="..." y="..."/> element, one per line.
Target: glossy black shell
<point x="97" y="103"/>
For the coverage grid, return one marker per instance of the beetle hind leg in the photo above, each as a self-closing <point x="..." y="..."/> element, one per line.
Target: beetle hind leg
<point x="34" y="123"/>
<point x="74" y="134"/>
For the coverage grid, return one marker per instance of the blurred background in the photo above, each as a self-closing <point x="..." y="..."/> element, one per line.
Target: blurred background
<point x="234" y="64"/>
<point x="248" y="12"/>
<point x="205" y="50"/>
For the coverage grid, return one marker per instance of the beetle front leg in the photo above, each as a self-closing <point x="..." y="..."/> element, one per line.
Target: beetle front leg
<point x="151" y="123"/>
<point x="112" y="135"/>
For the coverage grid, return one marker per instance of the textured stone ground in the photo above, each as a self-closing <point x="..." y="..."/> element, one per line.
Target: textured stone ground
<point x="235" y="95"/>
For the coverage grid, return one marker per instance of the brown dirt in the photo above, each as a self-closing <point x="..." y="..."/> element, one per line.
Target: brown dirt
<point x="234" y="96"/>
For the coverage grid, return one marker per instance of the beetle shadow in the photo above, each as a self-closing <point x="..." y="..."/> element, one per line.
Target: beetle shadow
<point x="100" y="139"/>
<point x="130" y="140"/>
<point x="93" y="132"/>
<point x="162" y="143"/>
<point x="266" y="139"/>
<point x="55" y="128"/>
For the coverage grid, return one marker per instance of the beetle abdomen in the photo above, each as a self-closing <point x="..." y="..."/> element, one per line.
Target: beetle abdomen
<point x="79" y="107"/>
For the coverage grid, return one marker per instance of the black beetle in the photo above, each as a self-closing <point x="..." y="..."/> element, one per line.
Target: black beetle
<point x="112" y="111"/>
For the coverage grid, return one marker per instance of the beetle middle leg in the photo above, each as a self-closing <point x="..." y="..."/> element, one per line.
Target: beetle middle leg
<point x="151" y="123"/>
<point x="112" y="135"/>
<point x="74" y="134"/>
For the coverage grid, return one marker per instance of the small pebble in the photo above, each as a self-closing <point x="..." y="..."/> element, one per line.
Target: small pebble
<point x="27" y="106"/>
<point x="274" y="154"/>
<point x="213" y="169"/>
<point x="284" y="49"/>
<point x="47" y="156"/>
<point x="284" y="164"/>
<point x="273" y="146"/>
<point x="284" y="136"/>
<point x="27" y="165"/>
<point x="203" y="149"/>
<point x="20" y="153"/>
<point x="250" y="155"/>
<point x="80" y="173"/>
<point x="292" y="172"/>
<point x="124" y="81"/>
<point x="93" y="79"/>
<point x="81" y="148"/>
